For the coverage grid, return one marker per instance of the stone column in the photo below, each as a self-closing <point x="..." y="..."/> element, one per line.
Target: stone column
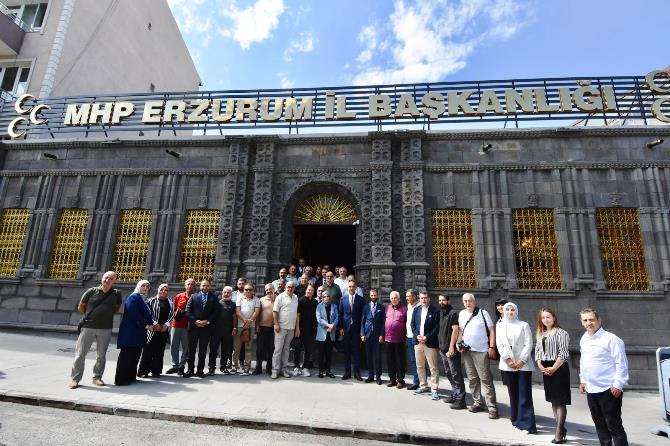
<point x="262" y="170"/>
<point x="228" y="256"/>
<point x="376" y="240"/>
<point x="413" y="266"/>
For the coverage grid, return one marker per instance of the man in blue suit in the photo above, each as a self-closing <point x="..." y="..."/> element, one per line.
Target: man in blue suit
<point x="372" y="333"/>
<point x="351" y="314"/>
<point x="202" y="309"/>
<point x="426" y="326"/>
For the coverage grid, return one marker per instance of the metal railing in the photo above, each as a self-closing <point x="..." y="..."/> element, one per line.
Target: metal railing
<point x="633" y="101"/>
<point x="12" y="15"/>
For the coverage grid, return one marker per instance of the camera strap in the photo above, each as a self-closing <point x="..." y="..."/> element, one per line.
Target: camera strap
<point x="474" y="313"/>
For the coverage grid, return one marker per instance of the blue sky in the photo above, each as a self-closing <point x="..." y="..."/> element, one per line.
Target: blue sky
<point x="250" y="44"/>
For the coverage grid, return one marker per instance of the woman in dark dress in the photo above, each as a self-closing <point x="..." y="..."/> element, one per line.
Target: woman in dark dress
<point x="136" y="321"/>
<point x="551" y="356"/>
<point x="162" y="312"/>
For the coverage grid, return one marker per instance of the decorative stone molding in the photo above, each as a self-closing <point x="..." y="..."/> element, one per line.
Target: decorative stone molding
<point x="615" y="199"/>
<point x="533" y="200"/>
<point x="450" y="201"/>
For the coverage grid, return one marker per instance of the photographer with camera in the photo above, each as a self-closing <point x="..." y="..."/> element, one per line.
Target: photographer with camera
<point x="476" y="342"/>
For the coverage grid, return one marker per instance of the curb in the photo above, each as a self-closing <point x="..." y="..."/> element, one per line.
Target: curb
<point x="323" y="429"/>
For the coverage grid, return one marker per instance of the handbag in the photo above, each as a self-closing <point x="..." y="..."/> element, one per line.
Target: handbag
<point x="245" y="336"/>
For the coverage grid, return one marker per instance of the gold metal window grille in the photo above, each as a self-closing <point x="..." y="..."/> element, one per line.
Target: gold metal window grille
<point x="13" y="231"/>
<point x="536" y="249"/>
<point x="68" y="244"/>
<point x="622" y="249"/>
<point x="453" y="248"/>
<point x="198" y="252"/>
<point x="132" y="244"/>
<point x="325" y="208"/>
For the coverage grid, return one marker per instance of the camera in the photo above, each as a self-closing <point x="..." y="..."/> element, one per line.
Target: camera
<point x="462" y="346"/>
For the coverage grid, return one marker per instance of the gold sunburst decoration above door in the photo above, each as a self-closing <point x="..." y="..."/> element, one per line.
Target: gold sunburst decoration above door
<point x="325" y="208"/>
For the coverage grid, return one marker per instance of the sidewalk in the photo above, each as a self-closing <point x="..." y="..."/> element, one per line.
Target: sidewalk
<point x="35" y="370"/>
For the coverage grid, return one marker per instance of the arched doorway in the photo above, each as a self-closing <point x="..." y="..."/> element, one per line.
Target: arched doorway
<point x="324" y="230"/>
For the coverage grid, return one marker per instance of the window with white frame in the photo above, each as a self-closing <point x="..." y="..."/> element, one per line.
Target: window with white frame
<point x="14" y="78"/>
<point x="32" y="14"/>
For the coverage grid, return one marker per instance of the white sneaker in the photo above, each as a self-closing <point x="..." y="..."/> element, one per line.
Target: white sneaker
<point x="274" y="375"/>
<point x="297" y="372"/>
<point x="305" y="372"/>
<point x="285" y="374"/>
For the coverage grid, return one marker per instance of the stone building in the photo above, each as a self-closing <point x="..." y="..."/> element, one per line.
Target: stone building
<point x="566" y="218"/>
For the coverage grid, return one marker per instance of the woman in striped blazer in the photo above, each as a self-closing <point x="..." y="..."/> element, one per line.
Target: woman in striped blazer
<point x="162" y="313"/>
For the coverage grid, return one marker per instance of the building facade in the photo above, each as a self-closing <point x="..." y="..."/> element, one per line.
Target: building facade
<point x="53" y="48"/>
<point x="562" y="218"/>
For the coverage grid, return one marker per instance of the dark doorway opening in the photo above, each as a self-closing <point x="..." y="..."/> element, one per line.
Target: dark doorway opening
<point x="327" y="244"/>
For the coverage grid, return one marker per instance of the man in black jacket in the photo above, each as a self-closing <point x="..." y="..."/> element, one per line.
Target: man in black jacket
<point x="425" y="327"/>
<point x="202" y="309"/>
<point x="451" y="358"/>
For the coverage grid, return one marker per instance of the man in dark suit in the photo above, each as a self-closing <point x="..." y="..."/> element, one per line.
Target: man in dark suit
<point x="425" y="327"/>
<point x="372" y="333"/>
<point x="351" y="314"/>
<point x="202" y="309"/>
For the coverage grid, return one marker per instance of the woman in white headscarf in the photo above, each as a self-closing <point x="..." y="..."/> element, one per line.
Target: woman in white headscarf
<point x="515" y="344"/>
<point x="135" y="323"/>
<point x="162" y="313"/>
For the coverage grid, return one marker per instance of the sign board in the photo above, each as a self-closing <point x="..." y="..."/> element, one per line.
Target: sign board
<point x="430" y="103"/>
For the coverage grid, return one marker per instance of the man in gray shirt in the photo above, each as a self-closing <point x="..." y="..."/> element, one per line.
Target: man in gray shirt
<point x="98" y="304"/>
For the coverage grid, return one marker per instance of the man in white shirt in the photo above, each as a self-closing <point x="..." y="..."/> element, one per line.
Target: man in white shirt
<point x="412" y="303"/>
<point x="285" y="314"/>
<point x="342" y="280"/>
<point x="603" y="371"/>
<point x="476" y="342"/>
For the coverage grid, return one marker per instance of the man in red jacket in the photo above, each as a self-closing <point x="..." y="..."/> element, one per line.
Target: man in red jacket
<point x="179" y="333"/>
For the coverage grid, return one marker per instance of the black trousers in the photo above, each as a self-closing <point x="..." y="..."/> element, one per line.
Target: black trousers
<point x="325" y="354"/>
<point x="606" y="413"/>
<point x="265" y="346"/>
<point x="308" y="347"/>
<point x="152" y="355"/>
<point x="126" y="366"/>
<point x="198" y="337"/>
<point x="225" y="343"/>
<point x="395" y="356"/>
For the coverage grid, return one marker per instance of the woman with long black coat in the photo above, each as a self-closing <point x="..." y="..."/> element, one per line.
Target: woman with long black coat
<point x="162" y="312"/>
<point x="135" y="323"/>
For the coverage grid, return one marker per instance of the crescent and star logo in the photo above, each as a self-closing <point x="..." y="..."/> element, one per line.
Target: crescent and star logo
<point x="29" y="114"/>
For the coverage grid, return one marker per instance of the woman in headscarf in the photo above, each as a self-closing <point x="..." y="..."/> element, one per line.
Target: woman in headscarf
<point x="162" y="312"/>
<point x="136" y="321"/>
<point x="515" y="344"/>
<point x="551" y="356"/>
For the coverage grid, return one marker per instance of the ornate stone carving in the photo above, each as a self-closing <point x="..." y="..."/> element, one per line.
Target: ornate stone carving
<point x="533" y="200"/>
<point x="450" y="201"/>
<point x="381" y="150"/>
<point x="202" y="202"/>
<point x="410" y="150"/>
<point x="615" y="199"/>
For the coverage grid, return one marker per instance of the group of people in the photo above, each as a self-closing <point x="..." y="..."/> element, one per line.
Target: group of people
<point x="311" y="315"/>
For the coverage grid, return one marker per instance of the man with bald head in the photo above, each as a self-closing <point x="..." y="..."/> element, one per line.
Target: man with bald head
<point x="285" y="315"/>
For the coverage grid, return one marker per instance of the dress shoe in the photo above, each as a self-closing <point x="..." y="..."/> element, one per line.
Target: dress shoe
<point x="200" y="374"/>
<point x="330" y="374"/>
<point x="369" y="379"/>
<point x="346" y="376"/>
<point x="257" y="371"/>
<point x="320" y="375"/>
<point x="188" y="374"/>
<point x="457" y="405"/>
<point x="413" y="387"/>
<point x="357" y="376"/>
<point x="392" y="384"/>
<point x="401" y="384"/>
<point x="476" y="408"/>
<point x="181" y="371"/>
<point x="379" y="381"/>
<point x="211" y="371"/>
<point x="493" y="414"/>
<point x="172" y="370"/>
<point x="449" y="399"/>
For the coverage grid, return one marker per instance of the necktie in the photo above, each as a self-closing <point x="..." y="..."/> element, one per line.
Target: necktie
<point x="374" y="306"/>
<point x="351" y="302"/>
<point x="204" y="299"/>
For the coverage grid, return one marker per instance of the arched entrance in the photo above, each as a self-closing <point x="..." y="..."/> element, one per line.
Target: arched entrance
<point x="324" y="230"/>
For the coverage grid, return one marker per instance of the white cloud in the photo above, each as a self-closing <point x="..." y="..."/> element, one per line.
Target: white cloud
<point x="286" y="82"/>
<point x="432" y="40"/>
<point x="368" y="38"/>
<point x="253" y="24"/>
<point x="303" y="44"/>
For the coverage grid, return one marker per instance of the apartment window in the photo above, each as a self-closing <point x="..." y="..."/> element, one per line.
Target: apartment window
<point x="132" y="244"/>
<point x="31" y="14"/>
<point x="198" y="246"/>
<point x="68" y="244"/>
<point x="622" y="249"/>
<point x="453" y="248"/>
<point x="14" y="79"/>
<point x="536" y="249"/>
<point x="13" y="230"/>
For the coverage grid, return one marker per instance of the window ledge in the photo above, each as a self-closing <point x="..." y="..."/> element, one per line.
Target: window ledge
<point x="630" y="295"/>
